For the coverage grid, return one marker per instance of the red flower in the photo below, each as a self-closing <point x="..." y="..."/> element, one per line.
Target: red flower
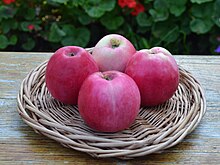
<point x="7" y="2"/>
<point x="122" y="3"/>
<point x="138" y="9"/>
<point x="31" y="27"/>
<point x="133" y="4"/>
<point x="128" y="3"/>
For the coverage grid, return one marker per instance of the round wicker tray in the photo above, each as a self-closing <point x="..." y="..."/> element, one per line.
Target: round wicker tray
<point x="155" y="129"/>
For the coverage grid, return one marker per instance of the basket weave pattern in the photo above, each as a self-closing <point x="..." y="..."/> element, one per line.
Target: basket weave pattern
<point x="155" y="128"/>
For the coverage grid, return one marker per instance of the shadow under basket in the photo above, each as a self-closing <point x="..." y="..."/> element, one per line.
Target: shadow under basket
<point x="155" y="129"/>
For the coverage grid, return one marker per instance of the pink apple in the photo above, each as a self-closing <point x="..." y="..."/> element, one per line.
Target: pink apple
<point x="109" y="101"/>
<point x="66" y="70"/>
<point x="156" y="73"/>
<point x="112" y="52"/>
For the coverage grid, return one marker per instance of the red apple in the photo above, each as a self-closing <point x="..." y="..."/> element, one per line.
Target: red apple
<point x="109" y="101"/>
<point x="112" y="52"/>
<point x="156" y="73"/>
<point x="66" y="70"/>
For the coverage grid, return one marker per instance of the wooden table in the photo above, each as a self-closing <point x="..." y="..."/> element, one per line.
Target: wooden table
<point x="19" y="144"/>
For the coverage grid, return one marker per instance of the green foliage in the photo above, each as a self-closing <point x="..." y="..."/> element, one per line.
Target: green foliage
<point x="177" y="7"/>
<point x="6" y="12"/>
<point x="112" y="22"/>
<point x="160" y="10"/>
<point x="165" y="31"/>
<point x="59" y="1"/>
<point x="97" y="8"/>
<point x="75" y="36"/>
<point x="144" y="20"/>
<point x="55" y="33"/>
<point x="216" y="13"/>
<point x="202" y="22"/>
<point x="200" y="1"/>
<point x="183" y="26"/>
<point x="28" y="44"/>
<point x="3" y="41"/>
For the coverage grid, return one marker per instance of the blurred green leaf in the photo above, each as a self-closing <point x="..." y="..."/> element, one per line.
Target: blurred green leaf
<point x="184" y="25"/>
<point x="201" y="26"/>
<point x="165" y="31"/>
<point x="68" y="29"/>
<point x="107" y="5"/>
<point x="147" y="1"/>
<point x="97" y="8"/>
<point x="216" y="13"/>
<point x="112" y="22"/>
<point x="7" y="12"/>
<point x="203" y="20"/>
<point x="133" y="39"/>
<point x="160" y="11"/>
<point x="143" y="20"/>
<point x="5" y="27"/>
<point x="84" y="19"/>
<point x="13" y="40"/>
<point x="177" y="7"/>
<point x="29" y="44"/>
<point x="30" y="15"/>
<point x="12" y="23"/>
<point x="200" y="1"/>
<point x="203" y="10"/>
<point x="75" y="36"/>
<point x="3" y="42"/>
<point x="159" y="15"/>
<point x="95" y="12"/>
<point x="143" y="43"/>
<point x="56" y="33"/>
<point x="77" y="3"/>
<point x="59" y="1"/>
<point x="24" y="26"/>
<point x="161" y="4"/>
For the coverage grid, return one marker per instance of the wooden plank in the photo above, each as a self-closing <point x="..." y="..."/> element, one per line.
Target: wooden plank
<point x="19" y="144"/>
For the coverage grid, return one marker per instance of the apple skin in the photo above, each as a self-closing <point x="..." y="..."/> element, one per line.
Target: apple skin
<point x="112" y="52"/>
<point x="156" y="73"/>
<point x="65" y="72"/>
<point x="109" y="101"/>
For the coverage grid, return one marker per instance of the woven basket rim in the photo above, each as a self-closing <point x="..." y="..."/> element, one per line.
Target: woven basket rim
<point x="147" y="135"/>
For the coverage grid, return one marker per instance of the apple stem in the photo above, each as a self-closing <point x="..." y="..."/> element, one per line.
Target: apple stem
<point x="106" y="77"/>
<point x="115" y="43"/>
<point x="71" y="54"/>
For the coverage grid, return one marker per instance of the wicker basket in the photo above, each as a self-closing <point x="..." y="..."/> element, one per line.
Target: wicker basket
<point x="155" y="128"/>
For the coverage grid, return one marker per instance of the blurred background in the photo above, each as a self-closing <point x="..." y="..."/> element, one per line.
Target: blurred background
<point x="181" y="26"/>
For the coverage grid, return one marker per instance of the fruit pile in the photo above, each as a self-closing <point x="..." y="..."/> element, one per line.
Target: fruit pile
<point x="113" y="82"/>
